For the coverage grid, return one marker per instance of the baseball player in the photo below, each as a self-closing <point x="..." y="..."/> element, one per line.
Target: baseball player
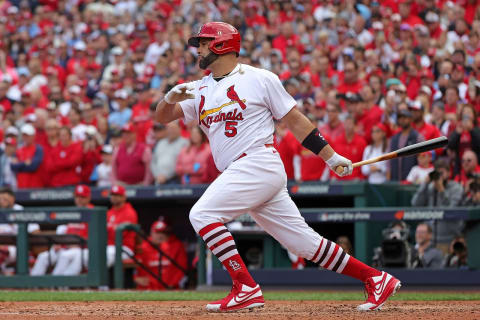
<point x="235" y="105"/>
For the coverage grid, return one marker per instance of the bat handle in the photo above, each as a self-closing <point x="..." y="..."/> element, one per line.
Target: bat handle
<point x="339" y="170"/>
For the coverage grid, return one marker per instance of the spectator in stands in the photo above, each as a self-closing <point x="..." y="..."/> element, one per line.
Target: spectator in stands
<point x="470" y="170"/>
<point x="8" y="253"/>
<point x="131" y="160"/>
<point x="377" y="172"/>
<point x="457" y="254"/>
<point x="7" y="155"/>
<point x="426" y="255"/>
<point x="428" y="131"/>
<point x="121" y="116"/>
<point x="64" y="161"/>
<point x="352" y="146"/>
<point x="192" y="160"/>
<point x="419" y="173"/>
<point x="440" y="191"/>
<point x="165" y="154"/>
<point x="399" y="168"/>
<point x="287" y="145"/>
<point x="103" y="171"/>
<point x="28" y="163"/>
<point x="466" y="135"/>
<point x="334" y="127"/>
<point x="172" y="258"/>
<point x="66" y="260"/>
<point x="91" y="153"/>
<point x="345" y="243"/>
<point x="472" y="198"/>
<point x="443" y="124"/>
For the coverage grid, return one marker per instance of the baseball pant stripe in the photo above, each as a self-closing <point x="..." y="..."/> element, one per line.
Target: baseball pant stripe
<point x="226" y="253"/>
<point x="339" y="262"/>
<point x="220" y="248"/>
<point x="318" y="251"/>
<point x="204" y="232"/>
<point x="220" y="242"/>
<point x="325" y="251"/>
<point x="335" y="260"/>
<point x="344" y="263"/>
<point x="213" y="236"/>
<point x="214" y="241"/>
<point x="332" y="256"/>
<point x="329" y="254"/>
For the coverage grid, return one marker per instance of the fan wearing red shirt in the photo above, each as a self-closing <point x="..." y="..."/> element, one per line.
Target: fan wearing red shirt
<point x="141" y="112"/>
<point x="334" y="127"/>
<point x="469" y="169"/>
<point x="30" y="159"/>
<point x="352" y="145"/>
<point x="287" y="38"/>
<point x="452" y="100"/>
<point x="427" y="130"/>
<point x="79" y="57"/>
<point x="287" y="146"/>
<point x="406" y="13"/>
<point x="164" y="266"/>
<point x="350" y="82"/>
<point x="64" y="161"/>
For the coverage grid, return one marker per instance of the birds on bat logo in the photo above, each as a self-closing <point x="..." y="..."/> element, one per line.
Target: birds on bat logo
<point x="206" y="117"/>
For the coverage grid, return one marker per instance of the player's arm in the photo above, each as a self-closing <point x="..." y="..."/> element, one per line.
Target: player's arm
<point x="308" y="135"/>
<point x="169" y="109"/>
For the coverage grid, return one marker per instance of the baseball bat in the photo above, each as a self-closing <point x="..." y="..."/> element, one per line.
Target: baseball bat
<point x="416" y="148"/>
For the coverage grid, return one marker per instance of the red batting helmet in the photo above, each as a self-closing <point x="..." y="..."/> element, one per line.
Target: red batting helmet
<point x="225" y="37"/>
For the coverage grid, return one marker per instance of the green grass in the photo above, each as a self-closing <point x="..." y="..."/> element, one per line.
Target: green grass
<point x="194" y="295"/>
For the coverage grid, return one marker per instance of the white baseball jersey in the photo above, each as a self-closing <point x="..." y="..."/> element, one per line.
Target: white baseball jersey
<point x="236" y="113"/>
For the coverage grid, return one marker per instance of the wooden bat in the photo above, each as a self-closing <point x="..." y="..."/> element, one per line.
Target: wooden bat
<point x="416" y="148"/>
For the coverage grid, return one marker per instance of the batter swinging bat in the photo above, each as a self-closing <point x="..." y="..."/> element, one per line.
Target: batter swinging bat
<point x="416" y="148"/>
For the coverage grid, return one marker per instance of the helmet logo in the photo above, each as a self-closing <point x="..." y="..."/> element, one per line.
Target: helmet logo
<point x="219" y="33"/>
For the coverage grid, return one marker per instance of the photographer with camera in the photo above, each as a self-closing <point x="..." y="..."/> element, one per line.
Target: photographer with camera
<point x="440" y="191"/>
<point x="457" y="254"/>
<point x="395" y="251"/>
<point x="470" y="170"/>
<point x="425" y="254"/>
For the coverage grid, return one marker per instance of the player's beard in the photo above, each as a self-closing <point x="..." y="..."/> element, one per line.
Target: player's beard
<point x="205" y="62"/>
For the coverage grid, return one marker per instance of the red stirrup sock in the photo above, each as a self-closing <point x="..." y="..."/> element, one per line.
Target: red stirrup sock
<point x="220" y="241"/>
<point x="332" y="257"/>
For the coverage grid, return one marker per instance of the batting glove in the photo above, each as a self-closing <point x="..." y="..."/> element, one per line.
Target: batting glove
<point x="180" y="92"/>
<point x="336" y="161"/>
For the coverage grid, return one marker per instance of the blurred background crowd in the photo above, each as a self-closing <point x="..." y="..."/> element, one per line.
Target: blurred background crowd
<point x="79" y="80"/>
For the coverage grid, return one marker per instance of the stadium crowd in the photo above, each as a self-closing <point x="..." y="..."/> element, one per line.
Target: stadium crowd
<point x="79" y="81"/>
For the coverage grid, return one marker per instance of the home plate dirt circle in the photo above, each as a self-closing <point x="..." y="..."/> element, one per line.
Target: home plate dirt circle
<point x="273" y="310"/>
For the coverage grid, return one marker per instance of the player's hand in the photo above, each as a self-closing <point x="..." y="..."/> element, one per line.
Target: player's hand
<point x="340" y="165"/>
<point x="179" y="93"/>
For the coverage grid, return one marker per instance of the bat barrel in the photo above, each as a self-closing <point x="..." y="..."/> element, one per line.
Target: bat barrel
<point x="428" y="145"/>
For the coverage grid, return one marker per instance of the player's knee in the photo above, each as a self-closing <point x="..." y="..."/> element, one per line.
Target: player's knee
<point x="195" y="217"/>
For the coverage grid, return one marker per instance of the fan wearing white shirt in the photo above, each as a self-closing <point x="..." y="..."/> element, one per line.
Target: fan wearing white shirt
<point x="377" y="172"/>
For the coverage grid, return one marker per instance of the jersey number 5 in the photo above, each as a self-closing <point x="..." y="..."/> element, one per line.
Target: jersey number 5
<point x="230" y="129"/>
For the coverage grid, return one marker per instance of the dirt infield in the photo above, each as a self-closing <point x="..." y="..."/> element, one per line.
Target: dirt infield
<point x="437" y="310"/>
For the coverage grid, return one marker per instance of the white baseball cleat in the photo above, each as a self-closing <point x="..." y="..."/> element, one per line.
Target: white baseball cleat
<point x="241" y="297"/>
<point x="379" y="289"/>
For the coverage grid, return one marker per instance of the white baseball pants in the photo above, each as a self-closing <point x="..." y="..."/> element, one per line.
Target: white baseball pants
<point x="256" y="184"/>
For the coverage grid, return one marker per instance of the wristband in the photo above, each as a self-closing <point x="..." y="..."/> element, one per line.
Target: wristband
<point x="314" y="141"/>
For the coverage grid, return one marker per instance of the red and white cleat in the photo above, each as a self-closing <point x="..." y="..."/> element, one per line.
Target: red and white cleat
<point x="379" y="289"/>
<point x="241" y="297"/>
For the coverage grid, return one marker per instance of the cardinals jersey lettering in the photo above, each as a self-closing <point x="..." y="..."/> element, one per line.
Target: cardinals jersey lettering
<point x="236" y="113"/>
